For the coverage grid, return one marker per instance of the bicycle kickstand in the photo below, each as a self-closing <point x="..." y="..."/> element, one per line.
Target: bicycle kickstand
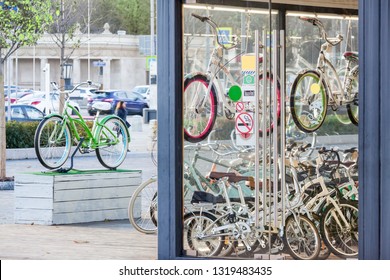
<point x="65" y="170"/>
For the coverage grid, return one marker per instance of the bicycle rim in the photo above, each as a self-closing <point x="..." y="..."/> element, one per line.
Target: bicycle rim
<point x="52" y="142"/>
<point x="153" y="153"/>
<point x="308" y="102"/>
<point x="143" y="210"/>
<point x="342" y="116"/>
<point x="341" y="238"/>
<point x="301" y="238"/>
<point x="200" y="108"/>
<point x="198" y="235"/>
<point x="113" y="141"/>
<point x="353" y="108"/>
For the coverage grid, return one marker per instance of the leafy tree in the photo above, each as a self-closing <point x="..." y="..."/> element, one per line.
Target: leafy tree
<point x="67" y="17"/>
<point x="133" y="16"/>
<point x="22" y="22"/>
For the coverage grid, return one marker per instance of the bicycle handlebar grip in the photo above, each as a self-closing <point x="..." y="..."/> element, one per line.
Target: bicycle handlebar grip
<point x="200" y="17"/>
<point x="309" y="19"/>
<point x="304" y="147"/>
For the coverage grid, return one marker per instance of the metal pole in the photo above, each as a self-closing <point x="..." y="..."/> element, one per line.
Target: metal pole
<point x="47" y="88"/>
<point x="33" y="85"/>
<point x="264" y="126"/>
<point x="152" y="47"/>
<point x="256" y="133"/>
<point x="275" y="50"/>
<point x="9" y="88"/>
<point x="16" y="69"/>
<point x="89" y="39"/>
<point x="282" y="123"/>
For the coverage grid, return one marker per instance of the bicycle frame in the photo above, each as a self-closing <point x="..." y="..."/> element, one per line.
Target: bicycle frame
<point x="339" y="92"/>
<point x="90" y="142"/>
<point x="203" y="183"/>
<point x="316" y="203"/>
<point x="213" y="68"/>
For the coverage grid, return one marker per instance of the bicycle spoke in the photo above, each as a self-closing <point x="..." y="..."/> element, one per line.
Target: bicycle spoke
<point x="112" y="143"/>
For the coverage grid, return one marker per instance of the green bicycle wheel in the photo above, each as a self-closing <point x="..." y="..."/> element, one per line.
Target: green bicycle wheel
<point x="52" y="142"/>
<point x="113" y="139"/>
<point x="308" y="101"/>
<point x="353" y="107"/>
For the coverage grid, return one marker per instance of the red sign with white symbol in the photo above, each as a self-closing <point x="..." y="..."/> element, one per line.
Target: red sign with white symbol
<point x="240" y="106"/>
<point x="244" y="123"/>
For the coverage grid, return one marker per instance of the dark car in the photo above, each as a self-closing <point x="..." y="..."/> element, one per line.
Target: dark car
<point x="135" y="103"/>
<point x="24" y="113"/>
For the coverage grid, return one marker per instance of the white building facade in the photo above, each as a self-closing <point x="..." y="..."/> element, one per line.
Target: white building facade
<point x="124" y="64"/>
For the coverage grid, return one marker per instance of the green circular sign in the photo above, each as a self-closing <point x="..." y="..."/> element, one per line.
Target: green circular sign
<point x="235" y="93"/>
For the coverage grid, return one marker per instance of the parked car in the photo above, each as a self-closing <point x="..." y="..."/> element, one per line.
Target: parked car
<point x="24" y="113"/>
<point x="83" y="93"/>
<point x="143" y="90"/>
<point x="10" y="89"/>
<point x="38" y="99"/>
<point x="28" y="97"/>
<point x="15" y="96"/>
<point x="135" y="102"/>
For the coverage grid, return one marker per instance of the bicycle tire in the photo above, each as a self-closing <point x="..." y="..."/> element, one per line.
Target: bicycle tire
<point x="340" y="114"/>
<point x="342" y="242"/>
<point x="56" y="152"/>
<point x="324" y="251"/>
<point x="342" y="117"/>
<point x="272" y="123"/>
<point x="143" y="210"/>
<point x="305" y="245"/>
<point x="112" y="155"/>
<point x="301" y="118"/>
<point x="153" y="153"/>
<point x="194" y="223"/>
<point x="198" y="122"/>
<point x="353" y="108"/>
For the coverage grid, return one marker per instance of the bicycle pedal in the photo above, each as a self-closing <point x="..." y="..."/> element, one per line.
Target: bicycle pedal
<point x="86" y="151"/>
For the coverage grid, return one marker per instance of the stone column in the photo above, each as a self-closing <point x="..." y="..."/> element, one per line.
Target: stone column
<point x="107" y="74"/>
<point x="10" y="71"/>
<point x="76" y="78"/>
<point x="41" y="85"/>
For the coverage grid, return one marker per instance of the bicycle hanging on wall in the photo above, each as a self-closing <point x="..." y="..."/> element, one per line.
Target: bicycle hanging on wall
<point x="204" y="90"/>
<point x="314" y="90"/>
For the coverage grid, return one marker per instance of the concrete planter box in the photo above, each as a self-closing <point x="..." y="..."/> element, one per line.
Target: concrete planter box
<point x="82" y="197"/>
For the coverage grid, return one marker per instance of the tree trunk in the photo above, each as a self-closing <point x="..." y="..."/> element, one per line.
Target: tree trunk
<point x="2" y="122"/>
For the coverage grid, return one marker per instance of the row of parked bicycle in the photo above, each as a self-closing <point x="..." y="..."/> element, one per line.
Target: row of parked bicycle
<point x="314" y="214"/>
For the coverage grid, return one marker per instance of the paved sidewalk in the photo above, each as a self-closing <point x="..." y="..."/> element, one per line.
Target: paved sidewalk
<point x="91" y="241"/>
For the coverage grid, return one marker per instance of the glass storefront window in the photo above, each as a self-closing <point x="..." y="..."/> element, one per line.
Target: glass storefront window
<point x="263" y="193"/>
<point x="218" y="41"/>
<point x="304" y="42"/>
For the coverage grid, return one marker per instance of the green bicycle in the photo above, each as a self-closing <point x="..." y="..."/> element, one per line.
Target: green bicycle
<point x="56" y="133"/>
